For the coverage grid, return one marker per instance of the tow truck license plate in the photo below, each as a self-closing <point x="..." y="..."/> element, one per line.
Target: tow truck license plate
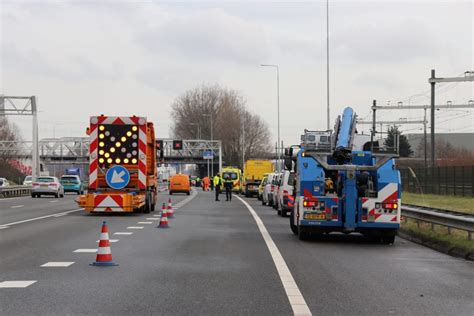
<point x="314" y="216"/>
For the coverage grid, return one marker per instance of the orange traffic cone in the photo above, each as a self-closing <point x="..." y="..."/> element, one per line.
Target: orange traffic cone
<point x="170" y="209"/>
<point x="164" y="218"/>
<point x="104" y="255"/>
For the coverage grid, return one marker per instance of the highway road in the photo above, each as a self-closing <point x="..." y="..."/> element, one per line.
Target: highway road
<point x="217" y="258"/>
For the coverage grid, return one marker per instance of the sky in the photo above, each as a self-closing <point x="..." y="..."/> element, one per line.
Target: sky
<point x="84" y="58"/>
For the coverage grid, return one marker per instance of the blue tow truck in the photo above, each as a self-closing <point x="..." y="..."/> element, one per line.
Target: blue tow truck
<point x="343" y="185"/>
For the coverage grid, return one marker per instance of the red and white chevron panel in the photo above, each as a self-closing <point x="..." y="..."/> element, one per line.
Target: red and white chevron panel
<point x="108" y="203"/>
<point x="389" y="194"/>
<point x="95" y="121"/>
<point x="142" y="155"/>
<point x="93" y="156"/>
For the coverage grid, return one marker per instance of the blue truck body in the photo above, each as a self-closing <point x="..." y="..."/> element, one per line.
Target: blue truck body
<point x="364" y="196"/>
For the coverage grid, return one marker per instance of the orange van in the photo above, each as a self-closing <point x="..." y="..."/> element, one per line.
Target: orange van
<point x="179" y="183"/>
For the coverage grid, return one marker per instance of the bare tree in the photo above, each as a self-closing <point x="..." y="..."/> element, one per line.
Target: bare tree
<point x="232" y="123"/>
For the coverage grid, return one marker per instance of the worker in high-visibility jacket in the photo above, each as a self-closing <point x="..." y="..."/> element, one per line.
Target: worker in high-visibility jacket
<point x="228" y="185"/>
<point x="217" y="185"/>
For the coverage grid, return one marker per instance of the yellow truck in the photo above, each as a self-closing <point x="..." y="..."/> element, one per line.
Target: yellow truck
<point x="236" y="175"/>
<point x="254" y="171"/>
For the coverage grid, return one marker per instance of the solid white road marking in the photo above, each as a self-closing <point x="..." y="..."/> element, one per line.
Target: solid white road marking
<point x="144" y="223"/>
<point x="296" y="299"/>
<point x="123" y="233"/>
<point x="4" y="227"/>
<point x="41" y="217"/>
<point x="56" y="264"/>
<point x="17" y="206"/>
<point x="14" y="198"/>
<point x="85" y="250"/>
<point x="135" y="227"/>
<point x="110" y="240"/>
<point x="15" y="284"/>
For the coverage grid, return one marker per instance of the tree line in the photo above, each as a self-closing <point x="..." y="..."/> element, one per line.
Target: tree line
<point x="222" y="113"/>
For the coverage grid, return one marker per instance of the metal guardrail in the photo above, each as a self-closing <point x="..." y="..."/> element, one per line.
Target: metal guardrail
<point x="454" y="220"/>
<point x="14" y="191"/>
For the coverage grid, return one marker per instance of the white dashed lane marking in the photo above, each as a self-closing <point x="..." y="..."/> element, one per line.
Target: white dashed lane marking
<point x="144" y="223"/>
<point x="15" y="284"/>
<point x="4" y="227"/>
<point x="17" y="206"/>
<point x="152" y="219"/>
<point x="296" y="299"/>
<point x="123" y="233"/>
<point x="135" y="227"/>
<point x="41" y="217"/>
<point x="56" y="264"/>
<point x="53" y="201"/>
<point x="85" y="250"/>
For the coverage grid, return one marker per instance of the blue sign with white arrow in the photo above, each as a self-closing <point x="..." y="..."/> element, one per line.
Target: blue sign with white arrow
<point x="117" y="177"/>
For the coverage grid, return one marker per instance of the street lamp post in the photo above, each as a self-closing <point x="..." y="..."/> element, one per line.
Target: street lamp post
<point x="278" y="110"/>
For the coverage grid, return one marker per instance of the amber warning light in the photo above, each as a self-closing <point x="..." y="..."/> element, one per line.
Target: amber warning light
<point x="118" y="144"/>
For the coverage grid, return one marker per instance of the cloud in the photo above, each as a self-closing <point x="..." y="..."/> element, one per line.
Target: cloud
<point x="210" y="35"/>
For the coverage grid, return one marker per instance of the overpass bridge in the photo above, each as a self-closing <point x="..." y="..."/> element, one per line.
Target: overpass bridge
<point x="75" y="150"/>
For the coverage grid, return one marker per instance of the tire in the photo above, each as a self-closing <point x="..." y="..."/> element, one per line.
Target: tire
<point x="57" y="195"/>
<point x="147" y="208"/>
<point x="188" y="193"/>
<point x="33" y="196"/>
<point x="293" y="227"/>
<point x="62" y="195"/>
<point x="302" y="235"/>
<point x="263" y="202"/>
<point x="386" y="240"/>
<point x="171" y="192"/>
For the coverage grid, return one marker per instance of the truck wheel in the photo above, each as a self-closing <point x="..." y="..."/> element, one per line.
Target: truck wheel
<point x="387" y="240"/>
<point x="188" y="193"/>
<point x="171" y="192"/>
<point x="147" y="208"/>
<point x="293" y="227"/>
<point x="302" y="235"/>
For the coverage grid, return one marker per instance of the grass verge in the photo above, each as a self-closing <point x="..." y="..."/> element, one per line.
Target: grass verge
<point x="437" y="237"/>
<point x="447" y="202"/>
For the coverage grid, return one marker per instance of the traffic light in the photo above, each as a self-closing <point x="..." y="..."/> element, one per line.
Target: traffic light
<point x="177" y="144"/>
<point x="159" y="144"/>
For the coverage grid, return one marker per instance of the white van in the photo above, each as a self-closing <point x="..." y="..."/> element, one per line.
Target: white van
<point x="285" y="193"/>
<point x="267" y="198"/>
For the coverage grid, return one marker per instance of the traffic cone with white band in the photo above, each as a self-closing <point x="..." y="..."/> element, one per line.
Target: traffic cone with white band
<point x="170" y="209"/>
<point x="164" y="218"/>
<point x="104" y="254"/>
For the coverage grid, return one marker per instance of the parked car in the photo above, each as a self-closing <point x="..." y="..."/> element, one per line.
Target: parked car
<point x="268" y="191"/>
<point x="180" y="183"/>
<point x="72" y="183"/>
<point x="28" y="180"/>
<point x="4" y="183"/>
<point x="285" y="193"/>
<point x="261" y="187"/>
<point x="47" y="186"/>
<point x="276" y="190"/>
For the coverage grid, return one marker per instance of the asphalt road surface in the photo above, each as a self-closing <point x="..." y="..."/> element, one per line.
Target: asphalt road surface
<point x="217" y="258"/>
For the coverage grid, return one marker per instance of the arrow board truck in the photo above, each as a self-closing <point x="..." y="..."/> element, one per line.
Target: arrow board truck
<point x="122" y="165"/>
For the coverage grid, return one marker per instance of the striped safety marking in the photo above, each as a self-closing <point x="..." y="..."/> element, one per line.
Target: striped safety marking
<point x="388" y="194"/>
